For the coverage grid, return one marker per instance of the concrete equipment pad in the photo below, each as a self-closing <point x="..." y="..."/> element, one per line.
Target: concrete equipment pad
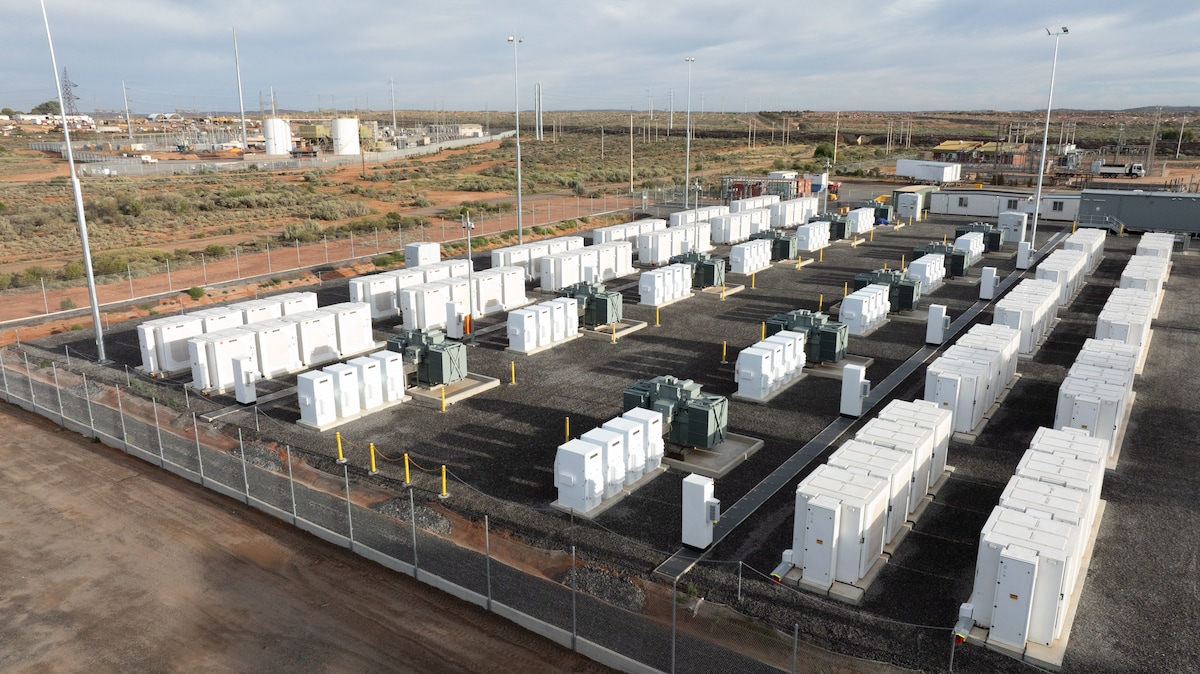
<point x="834" y="370"/>
<point x="539" y="349"/>
<point x="625" y="327"/>
<point x="472" y="384"/>
<point x="772" y="395"/>
<point x="715" y="291"/>
<point x="610" y="502"/>
<point x="716" y="462"/>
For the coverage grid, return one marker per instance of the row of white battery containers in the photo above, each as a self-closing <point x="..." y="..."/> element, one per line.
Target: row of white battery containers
<point x="627" y="232"/>
<point x="591" y="264"/>
<point x="849" y="508"/>
<point x="1030" y="550"/>
<point x="543" y="324"/>
<point x="279" y="346"/>
<point x="765" y="366"/>
<point x="753" y="203"/>
<point x="1030" y="308"/>
<point x="793" y="212"/>
<point x="1091" y="243"/>
<point x="812" y="237"/>
<point x="527" y="256"/>
<point x="734" y="228"/>
<point x="163" y="341"/>
<point x="605" y="460"/>
<point x="929" y="269"/>
<point x="1145" y="272"/>
<point x="1097" y="390"/>
<point x="381" y="290"/>
<point x="1066" y="268"/>
<point x="660" y="286"/>
<point x="695" y="215"/>
<point x="865" y="308"/>
<point x="860" y="221"/>
<point x="436" y="305"/>
<point x="750" y="257"/>
<point x="1156" y="244"/>
<point x="1126" y="317"/>
<point x="970" y="375"/>
<point x="658" y="247"/>
<point x="347" y="390"/>
<point x="973" y="245"/>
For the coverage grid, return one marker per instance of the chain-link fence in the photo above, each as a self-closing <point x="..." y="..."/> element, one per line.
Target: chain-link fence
<point x="630" y="625"/>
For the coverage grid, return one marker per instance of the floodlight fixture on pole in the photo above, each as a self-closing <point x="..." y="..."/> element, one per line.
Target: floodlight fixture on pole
<point x="687" y="152"/>
<point x="1037" y="202"/>
<point x="828" y="166"/>
<point x="517" y="100"/>
<point x="77" y="193"/>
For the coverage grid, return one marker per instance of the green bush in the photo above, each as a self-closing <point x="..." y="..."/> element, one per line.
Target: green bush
<point x="823" y="150"/>
<point x="304" y="232"/>
<point x="195" y="292"/>
<point x="214" y="250"/>
<point x="67" y="304"/>
<point x="5" y="281"/>
<point x="383" y="261"/>
<point x="72" y="271"/>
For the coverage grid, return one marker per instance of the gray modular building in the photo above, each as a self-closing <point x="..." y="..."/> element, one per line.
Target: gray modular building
<point x="1141" y="211"/>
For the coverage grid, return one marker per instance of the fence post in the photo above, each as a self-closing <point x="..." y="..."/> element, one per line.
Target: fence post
<point x="245" y="477"/>
<point x="67" y="350"/>
<point x="158" y="432"/>
<point x="574" y="593"/>
<point x="268" y="245"/>
<point x="129" y="271"/>
<point x="199" y="457"/>
<point x="204" y="268"/>
<point x="487" y="551"/>
<point x="4" y="374"/>
<point x="29" y="376"/>
<point x="349" y="513"/>
<point x="674" y="603"/>
<point x="739" y="581"/>
<point x="62" y="420"/>
<point x="45" y="301"/>
<point x="412" y="513"/>
<point x="291" y="483"/>
<point x="325" y="238"/>
<point x="298" y="265"/>
<point x="795" y="643"/>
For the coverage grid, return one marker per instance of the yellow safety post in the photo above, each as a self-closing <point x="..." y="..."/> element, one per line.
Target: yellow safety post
<point x="821" y="255"/>
<point x="443" y="397"/>
<point x="512" y="368"/>
<point x="885" y="265"/>
<point x="656" y="323"/>
<point x="444" y="493"/>
<point x="763" y="332"/>
<point x="845" y="288"/>
<point x="872" y="234"/>
<point x="373" y="470"/>
<point x="902" y="267"/>
<point x="799" y="259"/>
<point x="910" y="221"/>
<point x="568" y="430"/>
<point x="341" y="457"/>
<point x="752" y="277"/>
<point x="820" y="302"/>
<point x="722" y="292"/>
<point x="1073" y="226"/>
<point x="406" y="480"/>
<point x="724" y="351"/>
<point x="614" y="333"/>
<point x="943" y="238"/>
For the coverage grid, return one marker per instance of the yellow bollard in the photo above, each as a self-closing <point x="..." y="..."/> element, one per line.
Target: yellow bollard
<point x="902" y="267"/>
<point x="444" y="493"/>
<point x="943" y="238"/>
<point x="722" y="292"/>
<point x="872" y="234"/>
<point x="406" y="480"/>
<point x="341" y="457"/>
<point x="885" y="266"/>
<point x="820" y="302"/>
<point x="656" y="323"/>
<point x="845" y="288"/>
<point x="763" y="332"/>
<point x="568" y="431"/>
<point x="752" y="277"/>
<point x="614" y="333"/>
<point x="724" y="351"/>
<point x="910" y="221"/>
<point x="512" y="368"/>
<point x="799" y="260"/>
<point x="1073" y="226"/>
<point x="373" y="470"/>
<point x="443" y="398"/>
<point x="821" y="254"/>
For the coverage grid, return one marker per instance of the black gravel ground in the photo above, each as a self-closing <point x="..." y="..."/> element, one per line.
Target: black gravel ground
<point x="1139" y="605"/>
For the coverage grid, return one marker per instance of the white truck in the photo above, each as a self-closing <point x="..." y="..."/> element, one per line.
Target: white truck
<point x="1118" y="170"/>
<point x="147" y="159"/>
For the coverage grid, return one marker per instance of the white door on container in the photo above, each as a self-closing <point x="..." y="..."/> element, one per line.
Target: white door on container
<point x="1014" y="596"/>
<point x="945" y="394"/>
<point x="1119" y="332"/>
<point x="1085" y="414"/>
<point x="820" y="541"/>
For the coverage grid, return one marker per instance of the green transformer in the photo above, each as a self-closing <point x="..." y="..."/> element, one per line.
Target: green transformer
<point x="707" y="271"/>
<point x="692" y="418"/>
<point x="993" y="238"/>
<point x="783" y="246"/>
<point x="438" y="361"/>
<point x="826" y="340"/>
<point x="956" y="260"/>
<point x="597" y="306"/>
<point x="905" y="293"/>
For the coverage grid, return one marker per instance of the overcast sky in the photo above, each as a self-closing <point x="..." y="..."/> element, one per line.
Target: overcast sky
<point x="606" y="54"/>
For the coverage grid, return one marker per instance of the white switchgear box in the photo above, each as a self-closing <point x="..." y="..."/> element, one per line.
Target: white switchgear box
<point x="754" y="372"/>
<point x="633" y="435"/>
<point x="345" y="389"/>
<point x="701" y="510"/>
<point x="522" y="330"/>
<point x="652" y="423"/>
<point x="245" y="374"/>
<point x="353" y="320"/>
<point x="297" y="302"/>
<point x="278" y="345"/>
<point x="612" y="457"/>
<point x="579" y="475"/>
<point x="370" y="382"/>
<point x="316" y="333"/>
<point x="315" y="396"/>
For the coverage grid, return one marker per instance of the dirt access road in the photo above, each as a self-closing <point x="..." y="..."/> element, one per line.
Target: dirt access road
<point x="113" y="565"/>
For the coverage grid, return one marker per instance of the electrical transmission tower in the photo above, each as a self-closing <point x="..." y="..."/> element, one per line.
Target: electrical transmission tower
<point x="68" y="95"/>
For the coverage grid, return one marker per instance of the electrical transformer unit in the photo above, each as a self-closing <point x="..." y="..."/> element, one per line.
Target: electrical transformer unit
<point x="707" y="271"/>
<point x="783" y="245"/>
<point x="905" y="292"/>
<point x="993" y="236"/>
<point x="438" y="361"/>
<point x="694" y="419"/>
<point x="956" y="260"/>
<point x="827" y="339"/>
<point x="597" y="306"/>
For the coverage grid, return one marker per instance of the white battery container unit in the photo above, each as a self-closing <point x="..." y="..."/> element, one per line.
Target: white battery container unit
<point x="245" y="375"/>
<point x="1091" y="242"/>
<point x="633" y="436"/>
<point x="893" y="465"/>
<point x="1134" y="296"/>
<point x="724" y="229"/>
<point x="545" y="325"/>
<point x="1072" y="442"/>
<point x="652" y="287"/>
<point x="376" y="290"/>
<point x="860" y="310"/>
<point x="437" y="271"/>
<point x="990" y="358"/>
<point x="1109" y="369"/>
<point x="512" y="287"/>
<point x="370" y="382"/>
<point x="259" y="310"/>
<point x="573" y="242"/>
<point x="1084" y="474"/>
<point x="703" y="240"/>
<point x="999" y="338"/>
<point x="294" y="303"/>
<point x="681" y="218"/>
<point x="683" y="279"/>
<point x="929" y="269"/>
<point x="654" y="248"/>
<point x="791" y="364"/>
<point x="743" y="259"/>
<point x="1064" y="267"/>
<point x="1128" y="325"/>
<point x="624" y="251"/>
<point x="353" y="320"/>
<point x="650" y="225"/>
<point x="278" y="345"/>
<point x="973" y="245"/>
<point x="589" y="264"/>
<point x="459" y="289"/>
<point x="759" y="218"/>
<point x="487" y="288"/>
<point x="458" y="268"/>
<point x="212" y="355"/>
<point x="860" y="220"/>
<point x="1020" y="577"/>
<point x="926" y="415"/>
<point x="522" y="330"/>
<point x="421" y="253"/>
<point x="1157" y="244"/>
<point x="560" y="270"/>
<point x="612" y="457"/>
<point x="1062" y="504"/>
<point x="652" y="424"/>
<point x="680" y="238"/>
<point x="537" y="251"/>
<point x="570" y="309"/>
<point x="778" y="361"/>
<point x="315" y="396"/>
<point x="961" y="387"/>
<point x="164" y="342"/>
<point x="218" y="318"/>
<point x="913" y="440"/>
<point x="316" y="336"/>
<point x="606" y="261"/>
<point x="842" y="532"/>
<point x="701" y="510"/>
<point x="1111" y="346"/>
<point x="784" y="214"/>
<point x="391" y="373"/>
<point x="812" y="237"/>
<point x="558" y="321"/>
<point x="799" y="340"/>
<point x="1094" y="406"/>
<point x="424" y="307"/>
<point x="345" y="389"/>
<point x="667" y="277"/>
<point x="754" y="372"/>
<point x="556" y="246"/>
<point x="579" y="475"/>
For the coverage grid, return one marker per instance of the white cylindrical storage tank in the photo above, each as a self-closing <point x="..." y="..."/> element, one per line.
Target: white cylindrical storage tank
<point x="278" y="134"/>
<point x="345" y="136"/>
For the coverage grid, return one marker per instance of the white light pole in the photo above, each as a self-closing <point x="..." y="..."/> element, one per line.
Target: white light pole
<point x="468" y="226"/>
<point x="78" y="194"/>
<point x="517" y="100"/>
<point x="1037" y="202"/>
<point x="687" y="152"/>
<point x="1179" y="143"/>
<point x="237" y="64"/>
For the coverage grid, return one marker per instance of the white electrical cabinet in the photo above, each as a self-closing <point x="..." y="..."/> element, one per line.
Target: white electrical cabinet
<point x="929" y="269"/>
<point x="353" y="320"/>
<point x="1062" y="504"/>
<point x="345" y="389"/>
<point x="915" y="441"/>
<point x="376" y="290"/>
<point x="791" y="364"/>
<point x="545" y="324"/>
<point x="893" y="465"/>
<point x="960" y="386"/>
<point x="422" y="253"/>
<point x="512" y="256"/>
<point x="391" y="375"/>
<point x="315" y="396"/>
<point x="860" y="221"/>
<point x="1073" y="443"/>
<point x="973" y="245"/>
<point x="1063" y="469"/>
<point x="1065" y="268"/>
<point x="633" y="436"/>
<point x="1156" y="244"/>
<point x="589" y="264"/>
<point x="570" y="312"/>
<point x="558" y="321"/>
<point x="754" y="372"/>
<point x="579" y="475"/>
<point x="424" y="306"/>
<point x="258" y="310"/>
<point x="512" y="287"/>
<point x="1091" y="405"/>
<point x="245" y="375"/>
<point x="750" y="257"/>
<point x="612" y="457"/>
<point x="730" y="228"/>
<point x="1030" y="308"/>
<point x="297" y="302"/>
<point x="560" y="270"/>
<point x="606" y="261"/>
<point x="999" y="338"/>
<point x="812" y="237"/>
<point x="652" y="287"/>
<point x="437" y="271"/>
<point x="278" y="345"/>
<point x="1012" y="226"/>
<point x="522" y="330"/>
<point x="1091" y="242"/>
<point x="652" y="425"/>
<point x="164" y="343"/>
<point x="488" y="289"/>
<point x="218" y="318"/>
<point x="840" y="524"/>
<point x="212" y="354"/>
<point x="929" y="416"/>
<point x="654" y="248"/>
<point x="701" y="510"/>
<point x="370" y="382"/>
<point x="865" y="309"/>
<point x="316" y="336"/>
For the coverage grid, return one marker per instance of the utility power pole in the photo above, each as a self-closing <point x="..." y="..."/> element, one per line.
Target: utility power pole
<point x="128" y="121"/>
